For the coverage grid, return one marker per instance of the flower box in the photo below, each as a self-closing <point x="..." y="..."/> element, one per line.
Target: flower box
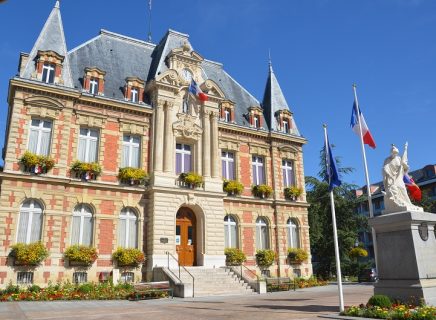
<point x="132" y="176"/>
<point x="36" y="164"/>
<point x="78" y="255"/>
<point x="31" y="254"/>
<point x="261" y="191"/>
<point x="297" y="256"/>
<point x="292" y="193"/>
<point x="128" y="257"/>
<point x="233" y="187"/>
<point x="265" y="258"/>
<point x="191" y="180"/>
<point x="86" y="170"/>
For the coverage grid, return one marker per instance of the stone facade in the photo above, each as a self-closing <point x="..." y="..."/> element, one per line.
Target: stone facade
<point x="165" y="115"/>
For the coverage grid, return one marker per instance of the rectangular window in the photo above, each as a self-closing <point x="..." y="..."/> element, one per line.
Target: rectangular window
<point x="80" y="277"/>
<point x="183" y="158"/>
<point x="285" y="126"/>
<point x="228" y="165"/>
<point x="39" y="137"/>
<point x="258" y="171"/>
<point x="227" y="115"/>
<point x="256" y="121"/>
<point x="134" y="95"/>
<point x="131" y="148"/>
<point x="288" y="173"/>
<point x="88" y="145"/>
<point x="93" y="86"/>
<point x="48" y="72"/>
<point x="24" y="277"/>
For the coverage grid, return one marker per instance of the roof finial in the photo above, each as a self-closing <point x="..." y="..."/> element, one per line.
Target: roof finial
<point x="269" y="59"/>
<point x="57" y="4"/>
<point x="149" y="20"/>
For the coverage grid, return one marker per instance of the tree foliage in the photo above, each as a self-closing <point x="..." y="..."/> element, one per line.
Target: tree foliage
<point x="320" y="220"/>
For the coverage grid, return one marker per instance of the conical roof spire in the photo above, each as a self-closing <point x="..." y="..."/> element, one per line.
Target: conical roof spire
<point x="51" y="38"/>
<point x="273" y="101"/>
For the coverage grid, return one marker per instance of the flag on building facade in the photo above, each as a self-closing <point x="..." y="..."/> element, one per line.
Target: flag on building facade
<point x="332" y="173"/>
<point x="356" y="117"/>
<point x="196" y="91"/>
<point x="414" y="190"/>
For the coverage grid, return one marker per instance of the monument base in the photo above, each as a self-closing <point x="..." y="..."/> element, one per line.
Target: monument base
<point x="406" y="247"/>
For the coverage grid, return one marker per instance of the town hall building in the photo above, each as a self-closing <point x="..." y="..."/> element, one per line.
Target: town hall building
<point x="113" y="107"/>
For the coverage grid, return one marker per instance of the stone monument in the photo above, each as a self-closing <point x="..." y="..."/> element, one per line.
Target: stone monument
<point x="405" y="239"/>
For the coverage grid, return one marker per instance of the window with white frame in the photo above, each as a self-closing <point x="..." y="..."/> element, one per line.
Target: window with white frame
<point x="285" y="125"/>
<point x="134" y="94"/>
<point x="29" y="222"/>
<point x="131" y="147"/>
<point x="39" y="136"/>
<point x="81" y="232"/>
<point x="258" y="170"/>
<point x="227" y="115"/>
<point x="288" y="173"/>
<point x="93" y="86"/>
<point x="128" y="229"/>
<point x="228" y="165"/>
<point x="262" y="241"/>
<point x="293" y="233"/>
<point x="230" y="232"/>
<point x="48" y="72"/>
<point x="256" y="121"/>
<point x="88" y="144"/>
<point x="183" y="158"/>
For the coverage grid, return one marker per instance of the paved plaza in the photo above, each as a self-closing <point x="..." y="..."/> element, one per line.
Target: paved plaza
<point x="302" y="304"/>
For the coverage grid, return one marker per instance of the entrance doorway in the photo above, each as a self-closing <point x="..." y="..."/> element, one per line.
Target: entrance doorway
<point x="186" y="237"/>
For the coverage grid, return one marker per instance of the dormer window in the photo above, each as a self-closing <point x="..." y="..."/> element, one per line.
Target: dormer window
<point x="255" y="117"/>
<point x="94" y="81"/>
<point x="285" y="126"/>
<point x="134" y="90"/>
<point x="227" y="112"/>
<point x="48" y="72"/>
<point x="49" y="67"/>
<point x="93" y="86"/>
<point x="134" y="95"/>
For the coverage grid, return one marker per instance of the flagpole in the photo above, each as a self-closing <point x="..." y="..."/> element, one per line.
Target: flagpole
<point x="368" y="185"/>
<point x="335" y="232"/>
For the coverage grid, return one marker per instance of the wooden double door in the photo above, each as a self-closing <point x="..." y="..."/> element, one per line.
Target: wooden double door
<point x="186" y="237"/>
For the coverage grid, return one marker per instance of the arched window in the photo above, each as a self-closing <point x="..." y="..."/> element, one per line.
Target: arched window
<point x="128" y="229"/>
<point x="81" y="232"/>
<point x="30" y="222"/>
<point x="262" y="239"/>
<point x="293" y="233"/>
<point x="230" y="232"/>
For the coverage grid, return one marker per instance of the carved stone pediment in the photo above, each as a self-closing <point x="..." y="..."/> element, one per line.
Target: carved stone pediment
<point x="43" y="107"/>
<point x="186" y="127"/>
<point x="131" y="127"/>
<point x="229" y="145"/>
<point x="90" y="120"/>
<point x="288" y="152"/>
<point x="258" y="149"/>
<point x="170" y="77"/>
<point x="212" y="89"/>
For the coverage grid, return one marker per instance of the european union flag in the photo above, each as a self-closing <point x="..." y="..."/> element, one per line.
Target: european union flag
<point x="332" y="171"/>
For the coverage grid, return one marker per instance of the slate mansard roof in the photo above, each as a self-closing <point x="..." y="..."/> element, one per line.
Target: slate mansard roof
<point x="121" y="57"/>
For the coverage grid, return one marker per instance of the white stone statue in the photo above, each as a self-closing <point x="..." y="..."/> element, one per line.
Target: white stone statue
<point x="396" y="198"/>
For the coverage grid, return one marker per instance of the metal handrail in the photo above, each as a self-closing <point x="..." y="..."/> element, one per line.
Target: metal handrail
<point x="241" y="276"/>
<point x="193" y="278"/>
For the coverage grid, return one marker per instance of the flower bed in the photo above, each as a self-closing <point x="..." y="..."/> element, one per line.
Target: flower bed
<point x="132" y="176"/>
<point x="299" y="284"/>
<point x="128" y="257"/>
<point x="81" y="255"/>
<point x="261" y="191"/>
<point x="398" y="311"/>
<point x="233" y="187"/>
<point x="31" y="254"/>
<point x="67" y="291"/>
<point x="36" y="163"/>
<point x="86" y="170"/>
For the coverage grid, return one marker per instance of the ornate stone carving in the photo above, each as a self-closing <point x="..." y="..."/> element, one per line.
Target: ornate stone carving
<point x="90" y="120"/>
<point x="170" y="77"/>
<point x="43" y="107"/>
<point x="229" y="145"/>
<point x="132" y="128"/>
<point x="257" y="149"/>
<point x="288" y="152"/>
<point x="186" y="127"/>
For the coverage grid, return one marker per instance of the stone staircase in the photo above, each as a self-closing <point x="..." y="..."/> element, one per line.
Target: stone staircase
<point x="214" y="281"/>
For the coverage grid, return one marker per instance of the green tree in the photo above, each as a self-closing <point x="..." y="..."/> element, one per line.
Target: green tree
<point x="320" y="219"/>
<point x="426" y="203"/>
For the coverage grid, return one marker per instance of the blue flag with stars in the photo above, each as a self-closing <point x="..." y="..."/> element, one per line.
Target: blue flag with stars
<point x="332" y="171"/>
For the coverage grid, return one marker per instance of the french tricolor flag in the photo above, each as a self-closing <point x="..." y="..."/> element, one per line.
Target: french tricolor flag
<point x="196" y="91"/>
<point x="356" y="118"/>
<point x="414" y="191"/>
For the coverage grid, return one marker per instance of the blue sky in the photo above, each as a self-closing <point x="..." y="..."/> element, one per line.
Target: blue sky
<point x="319" y="48"/>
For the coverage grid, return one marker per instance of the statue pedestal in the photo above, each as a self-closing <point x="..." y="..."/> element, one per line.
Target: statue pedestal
<point x="406" y="246"/>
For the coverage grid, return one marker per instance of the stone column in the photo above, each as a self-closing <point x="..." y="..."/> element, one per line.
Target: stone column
<point x="214" y="146"/>
<point x="206" y="144"/>
<point x="158" y="137"/>
<point x="168" y="140"/>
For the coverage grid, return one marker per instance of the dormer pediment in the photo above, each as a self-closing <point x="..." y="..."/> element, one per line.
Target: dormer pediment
<point x="212" y="89"/>
<point x="170" y="77"/>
